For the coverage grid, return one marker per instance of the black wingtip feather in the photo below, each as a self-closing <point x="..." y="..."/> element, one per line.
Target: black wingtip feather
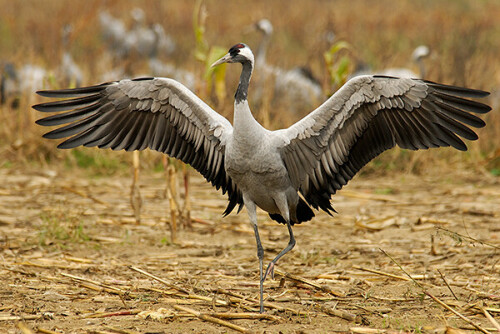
<point x="463" y="104"/>
<point x="65" y="105"/>
<point x="457" y="91"/>
<point x="73" y="92"/>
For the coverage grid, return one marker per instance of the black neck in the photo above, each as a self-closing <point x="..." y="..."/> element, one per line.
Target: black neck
<point x="246" y="73"/>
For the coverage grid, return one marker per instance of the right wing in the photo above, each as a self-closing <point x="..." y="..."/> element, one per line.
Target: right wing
<point x="156" y="113"/>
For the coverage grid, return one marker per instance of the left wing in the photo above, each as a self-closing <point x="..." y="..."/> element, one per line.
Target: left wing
<point x="368" y="115"/>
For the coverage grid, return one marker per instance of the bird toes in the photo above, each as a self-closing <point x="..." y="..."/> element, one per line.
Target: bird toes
<point x="269" y="270"/>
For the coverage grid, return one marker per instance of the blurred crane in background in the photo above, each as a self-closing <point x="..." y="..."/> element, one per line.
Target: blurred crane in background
<point x="9" y="88"/>
<point x="157" y="67"/>
<point x="70" y="72"/>
<point x="113" y="31"/>
<point x="419" y="54"/>
<point x="23" y="81"/>
<point x="295" y="89"/>
<point x="143" y="40"/>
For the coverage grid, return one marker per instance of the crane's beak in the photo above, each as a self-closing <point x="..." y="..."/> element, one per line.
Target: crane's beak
<point x="225" y="59"/>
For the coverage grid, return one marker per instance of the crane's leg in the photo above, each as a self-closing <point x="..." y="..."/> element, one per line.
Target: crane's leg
<point x="282" y="203"/>
<point x="187" y="200"/>
<point x="135" y="193"/>
<point x="289" y="247"/>
<point x="252" y="214"/>
<point x="171" y="191"/>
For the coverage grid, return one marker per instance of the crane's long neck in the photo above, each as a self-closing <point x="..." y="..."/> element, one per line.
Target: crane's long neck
<point x="260" y="60"/>
<point x="421" y="67"/>
<point x="242" y="90"/>
<point x="244" y="123"/>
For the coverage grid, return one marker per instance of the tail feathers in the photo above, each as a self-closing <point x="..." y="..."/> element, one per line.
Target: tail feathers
<point x="304" y="213"/>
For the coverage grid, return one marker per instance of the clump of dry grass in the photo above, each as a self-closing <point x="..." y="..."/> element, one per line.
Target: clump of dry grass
<point x="463" y="37"/>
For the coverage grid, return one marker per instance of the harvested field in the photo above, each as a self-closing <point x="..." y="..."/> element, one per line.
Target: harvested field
<point x="71" y="254"/>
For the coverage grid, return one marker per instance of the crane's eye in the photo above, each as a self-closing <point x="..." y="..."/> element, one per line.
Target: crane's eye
<point x="235" y="49"/>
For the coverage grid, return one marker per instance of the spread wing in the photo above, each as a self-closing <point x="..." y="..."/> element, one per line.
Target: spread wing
<point x="368" y="115"/>
<point x="156" y="113"/>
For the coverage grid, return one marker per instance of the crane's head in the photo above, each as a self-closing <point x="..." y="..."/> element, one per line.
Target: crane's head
<point x="265" y="26"/>
<point x="239" y="53"/>
<point x="420" y="52"/>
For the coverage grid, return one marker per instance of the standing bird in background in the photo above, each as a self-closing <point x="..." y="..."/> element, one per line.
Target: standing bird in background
<point x="296" y="89"/>
<point x="128" y="46"/>
<point x="70" y="71"/>
<point x="419" y="54"/>
<point x="143" y="40"/>
<point x="286" y="172"/>
<point x="160" y="68"/>
<point x="9" y="85"/>
<point x="16" y="82"/>
<point x="114" y="32"/>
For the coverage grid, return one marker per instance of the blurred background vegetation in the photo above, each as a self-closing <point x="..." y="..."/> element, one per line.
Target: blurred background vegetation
<point x="463" y="36"/>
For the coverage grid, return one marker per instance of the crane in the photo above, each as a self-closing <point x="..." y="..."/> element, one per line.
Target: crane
<point x="418" y="55"/>
<point x="296" y="87"/>
<point x="8" y="83"/>
<point x="16" y="82"/>
<point x="145" y="40"/>
<point x="286" y="172"/>
<point x="70" y="71"/>
<point x="114" y="32"/>
<point x="160" y="68"/>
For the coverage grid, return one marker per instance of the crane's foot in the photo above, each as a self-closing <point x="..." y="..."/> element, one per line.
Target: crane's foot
<point x="291" y="244"/>
<point x="269" y="270"/>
